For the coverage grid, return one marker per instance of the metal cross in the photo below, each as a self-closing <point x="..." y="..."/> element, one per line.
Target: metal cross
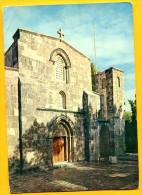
<point x="61" y="34"/>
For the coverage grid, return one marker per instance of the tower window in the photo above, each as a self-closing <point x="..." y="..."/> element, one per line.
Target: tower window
<point x="102" y="102"/>
<point x="103" y="83"/>
<point x="118" y="80"/>
<point x="62" y="100"/>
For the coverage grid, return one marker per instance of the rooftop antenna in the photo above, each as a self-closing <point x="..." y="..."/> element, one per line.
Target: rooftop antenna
<point x="94" y="47"/>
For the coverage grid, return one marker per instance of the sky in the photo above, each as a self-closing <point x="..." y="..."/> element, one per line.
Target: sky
<point x="103" y="32"/>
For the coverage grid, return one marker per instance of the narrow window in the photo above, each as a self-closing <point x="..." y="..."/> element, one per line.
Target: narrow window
<point x="59" y="63"/>
<point x="103" y="83"/>
<point x="118" y="80"/>
<point x="102" y="102"/>
<point x="62" y="71"/>
<point x="62" y="102"/>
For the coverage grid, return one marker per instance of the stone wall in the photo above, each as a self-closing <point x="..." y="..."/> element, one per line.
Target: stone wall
<point x="12" y="109"/>
<point x="40" y="90"/>
<point x="112" y="91"/>
<point x="107" y="83"/>
<point x="11" y="55"/>
<point x="101" y="88"/>
<point x="36" y="91"/>
<point x="117" y="128"/>
<point x="37" y="73"/>
<point x="118" y="92"/>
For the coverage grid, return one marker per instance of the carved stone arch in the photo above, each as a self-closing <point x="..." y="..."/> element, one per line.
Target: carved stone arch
<point x="61" y="134"/>
<point x="65" y="121"/>
<point x="63" y="54"/>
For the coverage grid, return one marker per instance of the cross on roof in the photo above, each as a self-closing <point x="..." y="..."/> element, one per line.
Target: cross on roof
<point x="61" y="33"/>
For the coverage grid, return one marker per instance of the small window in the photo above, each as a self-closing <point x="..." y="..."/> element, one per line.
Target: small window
<point x="118" y="80"/>
<point x="102" y="102"/>
<point x="103" y="83"/>
<point x="102" y="109"/>
<point x="62" y="101"/>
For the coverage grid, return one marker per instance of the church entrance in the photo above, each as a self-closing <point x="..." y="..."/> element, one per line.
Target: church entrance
<point x="59" y="149"/>
<point x="62" y="143"/>
<point x="104" y="142"/>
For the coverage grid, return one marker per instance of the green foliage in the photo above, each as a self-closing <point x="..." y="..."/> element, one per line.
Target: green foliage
<point x="14" y="162"/>
<point x="131" y="128"/>
<point x="93" y="73"/>
<point x="127" y="116"/>
<point x="133" y="109"/>
<point x="14" y="165"/>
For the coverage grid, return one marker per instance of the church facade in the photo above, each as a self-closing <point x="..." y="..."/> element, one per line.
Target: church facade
<point x="50" y="81"/>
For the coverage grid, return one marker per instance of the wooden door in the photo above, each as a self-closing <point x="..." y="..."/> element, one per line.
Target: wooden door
<point x="58" y="149"/>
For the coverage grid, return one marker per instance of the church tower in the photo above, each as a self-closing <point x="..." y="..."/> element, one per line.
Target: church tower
<point x="109" y="84"/>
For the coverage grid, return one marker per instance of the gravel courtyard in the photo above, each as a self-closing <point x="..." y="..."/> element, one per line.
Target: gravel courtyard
<point x="78" y="177"/>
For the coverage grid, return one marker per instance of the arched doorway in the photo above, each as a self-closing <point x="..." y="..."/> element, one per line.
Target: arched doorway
<point x="62" y="144"/>
<point x="104" y="142"/>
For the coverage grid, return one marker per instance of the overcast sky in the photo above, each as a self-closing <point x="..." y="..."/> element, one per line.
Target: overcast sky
<point x="109" y="25"/>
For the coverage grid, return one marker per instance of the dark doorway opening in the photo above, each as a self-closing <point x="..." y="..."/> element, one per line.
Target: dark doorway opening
<point x="104" y="142"/>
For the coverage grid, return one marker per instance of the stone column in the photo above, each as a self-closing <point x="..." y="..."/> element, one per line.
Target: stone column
<point x="112" y="156"/>
<point x="49" y="161"/>
<point x="86" y="124"/>
<point x="117" y="126"/>
<point x="72" y="148"/>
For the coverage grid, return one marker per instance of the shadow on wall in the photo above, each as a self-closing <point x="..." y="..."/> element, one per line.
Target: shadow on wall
<point x="36" y="143"/>
<point x="37" y="146"/>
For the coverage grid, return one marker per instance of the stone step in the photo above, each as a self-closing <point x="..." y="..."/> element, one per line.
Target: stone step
<point x="128" y="157"/>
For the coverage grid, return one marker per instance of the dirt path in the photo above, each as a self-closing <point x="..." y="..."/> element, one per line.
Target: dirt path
<point x="78" y="177"/>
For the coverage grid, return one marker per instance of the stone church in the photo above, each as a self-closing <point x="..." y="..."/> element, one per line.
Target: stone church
<point x="49" y="80"/>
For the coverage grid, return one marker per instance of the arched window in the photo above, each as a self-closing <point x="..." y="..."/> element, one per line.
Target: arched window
<point x="59" y="64"/>
<point x="62" y="71"/>
<point x="118" y="81"/>
<point x="62" y="100"/>
<point x="62" y="64"/>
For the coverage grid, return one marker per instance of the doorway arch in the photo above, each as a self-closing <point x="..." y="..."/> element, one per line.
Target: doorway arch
<point x="62" y="140"/>
<point x="104" y="140"/>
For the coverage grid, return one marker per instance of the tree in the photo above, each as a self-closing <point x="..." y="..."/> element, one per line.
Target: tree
<point x="133" y="110"/>
<point x="93" y="73"/>
<point x="131" y="128"/>
<point x="127" y="116"/>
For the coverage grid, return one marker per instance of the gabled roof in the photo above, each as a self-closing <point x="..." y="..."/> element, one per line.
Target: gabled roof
<point x="17" y="33"/>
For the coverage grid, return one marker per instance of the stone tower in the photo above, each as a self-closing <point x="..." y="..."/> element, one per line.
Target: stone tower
<point x="110" y="84"/>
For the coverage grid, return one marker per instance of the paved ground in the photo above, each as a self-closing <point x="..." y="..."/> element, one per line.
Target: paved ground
<point x="78" y="177"/>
